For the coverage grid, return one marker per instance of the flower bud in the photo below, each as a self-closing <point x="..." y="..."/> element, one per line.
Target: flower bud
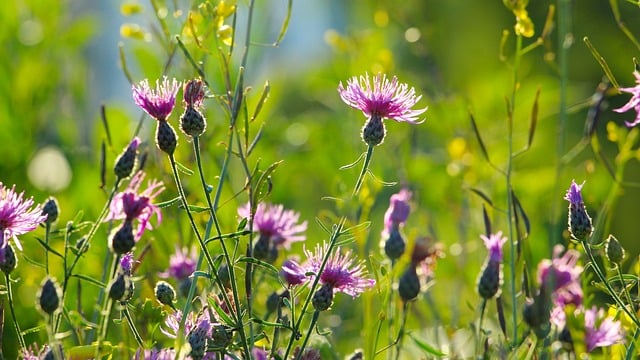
<point x="192" y="122"/>
<point x="126" y="161"/>
<point x="323" y="298"/>
<point x="8" y="259"/>
<point x="614" y="250"/>
<point x="373" y="131"/>
<point x="490" y="280"/>
<point x="395" y="245"/>
<point x="122" y="240"/>
<point x="49" y="296"/>
<point x="221" y="336"/>
<point x="409" y="284"/>
<point x="51" y="209"/>
<point x="165" y="294"/>
<point x="166" y="137"/>
<point x="197" y="338"/>
<point x="118" y="288"/>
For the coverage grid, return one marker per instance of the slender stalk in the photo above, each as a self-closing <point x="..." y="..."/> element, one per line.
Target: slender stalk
<point x="363" y="172"/>
<point x="47" y="231"/>
<point x="512" y="240"/>
<point x="132" y="326"/>
<point x="334" y="237"/>
<point x="624" y="286"/>
<point x="314" y="320"/>
<point x="479" y="335"/>
<point x="16" y="326"/>
<point x="106" y="309"/>
<point x="391" y="313"/>
<point x="207" y="255"/>
<point x="405" y="310"/>
<point x="604" y="281"/>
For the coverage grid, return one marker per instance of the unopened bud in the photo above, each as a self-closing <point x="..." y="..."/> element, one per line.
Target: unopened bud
<point x="166" y="137"/>
<point x="8" y="259"/>
<point x="323" y="298"/>
<point x="122" y="240"/>
<point x="395" y="245"/>
<point x="126" y="161"/>
<point x="490" y="280"/>
<point x="165" y="294"/>
<point x="192" y="122"/>
<point x="49" y="296"/>
<point x="51" y="209"/>
<point x="409" y="284"/>
<point x="614" y="250"/>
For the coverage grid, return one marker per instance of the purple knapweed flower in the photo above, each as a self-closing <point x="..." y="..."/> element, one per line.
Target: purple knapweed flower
<point x="383" y="100"/>
<point x="278" y="224"/>
<point x="191" y="322"/>
<point x="494" y="244"/>
<point x="490" y="279"/>
<point x="126" y="263"/>
<point x="579" y="221"/>
<point x="193" y="93"/>
<point x="17" y="216"/>
<point x="259" y="354"/>
<point x="158" y="102"/>
<point x="574" y="194"/>
<point x="277" y="228"/>
<point x="398" y="211"/>
<point x="607" y="332"/>
<point x="342" y="272"/>
<point x="133" y="204"/>
<point x="561" y="276"/>
<point x="634" y="102"/>
<point x="293" y="273"/>
<point x="181" y="264"/>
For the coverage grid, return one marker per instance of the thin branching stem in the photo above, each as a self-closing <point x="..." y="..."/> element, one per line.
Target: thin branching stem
<point x="314" y="320"/>
<point x="132" y="326"/>
<point x="16" y="326"/>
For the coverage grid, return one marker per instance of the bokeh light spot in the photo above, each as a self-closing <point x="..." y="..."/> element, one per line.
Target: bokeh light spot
<point x="49" y="170"/>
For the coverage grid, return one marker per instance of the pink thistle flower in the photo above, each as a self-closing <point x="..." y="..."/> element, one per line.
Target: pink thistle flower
<point x="158" y="102"/>
<point x="126" y="263"/>
<point x="133" y="204"/>
<point x="17" y="216"/>
<point x="562" y="274"/>
<point x="153" y="354"/>
<point x="494" y="244"/>
<point x="193" y="93"/>
<point x="277" y="228"/>
<point x="385" y="99"/>
<point x="607" y="332"/>
<point x="634" y="102"/>
<point x="342" y="273"/>
<point x="173" y="323"/>
<point x="181" y="264"/>
<point x="293" y="273"/>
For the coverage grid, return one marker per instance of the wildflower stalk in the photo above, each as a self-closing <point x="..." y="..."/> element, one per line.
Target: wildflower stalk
<point x="92" y="232"/>
<point x="205" y="251"/>
<point x="332" y="242"/>
<point x="16" y="326"/>
<point x="47" y="231"/>
<point x="132" y="326"/>
<point x="512" y="240"/>
<point x="106" y="308"/>
<point x="214" y="218"/>
<point x="391" y="316"/>
<point x="624" y="286"/>
<point x="479" y="335"/>
<point x="314" y="320"/>
<point x="405" y="310"/>
<point x="604" y="281"/>
<point x="363" y="172"/>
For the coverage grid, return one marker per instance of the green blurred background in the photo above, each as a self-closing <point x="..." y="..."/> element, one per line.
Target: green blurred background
<point x="62" y="63"/>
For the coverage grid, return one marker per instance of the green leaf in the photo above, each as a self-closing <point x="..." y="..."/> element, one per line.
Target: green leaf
<point x="426" y="347"/>
<point x="184" y="169"/>
<point x="90" y="280"/>
<point x="255" y="261"/>
<point x="168" y="203"/>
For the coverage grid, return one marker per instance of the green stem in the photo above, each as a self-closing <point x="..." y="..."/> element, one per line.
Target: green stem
<point x="604" y="281"/>
<point x="47" y="230"/>
<point x="314" y="320"/>
<point x="512" y="240"/>
<point x="363" y="172"/>
<point x="16" y="326"/>
<point x="334" y="237"/>
<point x="207" y="255"/>
<point x="405" y="310"/>
<point x="132" y="326"/>
<point x="227" y="258"/>
<point x="106" y="309"/>
<point x="479" y="335"/>
<point x="391" y="313"/>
